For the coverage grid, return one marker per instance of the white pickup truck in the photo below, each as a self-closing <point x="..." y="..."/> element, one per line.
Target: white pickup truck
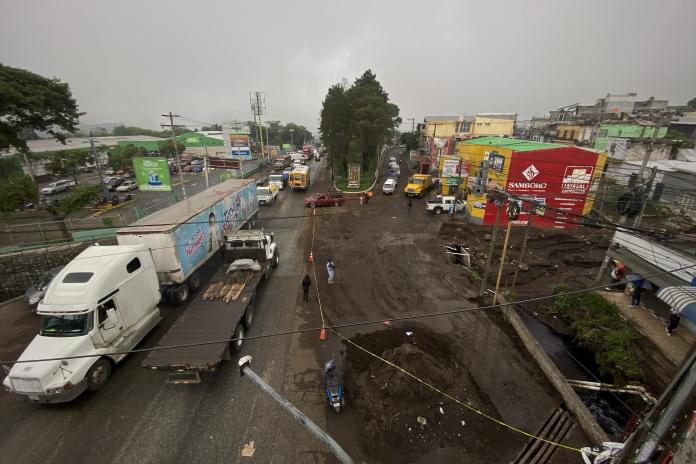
<point x="444" y="204"/>
<point x="266" y="194"/>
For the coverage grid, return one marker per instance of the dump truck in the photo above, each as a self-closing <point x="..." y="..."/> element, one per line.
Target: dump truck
<point x="184" y="236"/>
<point x="418" y="185"/>
<point x="222" y="310"/>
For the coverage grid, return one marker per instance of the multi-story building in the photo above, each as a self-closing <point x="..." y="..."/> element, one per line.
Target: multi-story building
<point x="490" y="124"/>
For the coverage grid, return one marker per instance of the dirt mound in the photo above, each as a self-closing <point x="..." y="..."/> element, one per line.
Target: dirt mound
<point x="391" y="402"/>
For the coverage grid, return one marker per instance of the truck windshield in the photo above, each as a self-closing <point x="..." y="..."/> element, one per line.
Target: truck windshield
<point x="66" y="325"/>
<point x="417" y="181"/>
<point x="275" y="178"/>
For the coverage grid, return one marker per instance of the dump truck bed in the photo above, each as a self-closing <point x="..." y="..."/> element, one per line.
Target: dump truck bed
<point x="214" y="314"/>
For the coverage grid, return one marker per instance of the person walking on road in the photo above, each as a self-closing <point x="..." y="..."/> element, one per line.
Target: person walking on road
<point x="330" y="269"/>
<point x="306" y="283"/>
<point x="673" y="322"/>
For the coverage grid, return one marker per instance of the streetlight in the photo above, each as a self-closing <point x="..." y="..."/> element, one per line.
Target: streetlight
<point x="292" y="138"/>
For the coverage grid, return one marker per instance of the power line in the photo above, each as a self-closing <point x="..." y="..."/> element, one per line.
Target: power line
<point x="346" y="325"/>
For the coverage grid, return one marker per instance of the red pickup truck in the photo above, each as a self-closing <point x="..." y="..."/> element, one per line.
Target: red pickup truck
<point x="325" y="199"/>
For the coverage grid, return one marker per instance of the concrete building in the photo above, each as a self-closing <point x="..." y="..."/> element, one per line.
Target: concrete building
<point x="685" y="124"/>
<point x="446" y="126"/>
<point x="631" y="141"/>
<point x="491" y="124"/>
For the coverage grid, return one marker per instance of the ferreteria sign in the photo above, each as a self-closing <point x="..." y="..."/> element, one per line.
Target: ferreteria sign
<point x="152" y="174"/>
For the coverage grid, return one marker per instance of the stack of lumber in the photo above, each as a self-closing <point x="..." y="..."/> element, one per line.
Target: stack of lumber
<point x="228" y="290"/>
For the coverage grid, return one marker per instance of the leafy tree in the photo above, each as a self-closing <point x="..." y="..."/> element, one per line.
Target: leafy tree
<point x="67" y="162"/>
<point x="410" y="139"/>
<point x="166" y="149"/>
<point x="29" y="102"/>
<point x="79" y="197"/>
<point x="15" y="191"/>
<point x="691" y="104"/>
<point x="122" y="157"/>
<point x="361" y="113"/>
<point x="214" y="127"/>
<point x="10" y="165"/>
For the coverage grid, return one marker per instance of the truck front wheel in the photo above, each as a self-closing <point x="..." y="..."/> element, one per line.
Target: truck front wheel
<point x="249" y="316"/>
<point x="98" y="374"/>
<point x="236" y="345"/>
<point x="181" y="293"/>
<point x="276" y="260"/>
<point x="438" y="210"/>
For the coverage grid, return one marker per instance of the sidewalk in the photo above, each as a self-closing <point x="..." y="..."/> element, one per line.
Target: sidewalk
<point x="652" y="327"/>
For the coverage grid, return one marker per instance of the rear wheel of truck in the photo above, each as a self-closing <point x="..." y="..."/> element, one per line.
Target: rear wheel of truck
<point x="337" y="203"/>
<point x="194" y="281"/>
<point x="181" y="293"/>
<point x="249" y="316"/>
<point x="98" y="374"/>
<point x="236" y="345"/>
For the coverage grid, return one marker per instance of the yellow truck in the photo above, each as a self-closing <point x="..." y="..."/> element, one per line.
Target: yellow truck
<point x="418" y="184"/>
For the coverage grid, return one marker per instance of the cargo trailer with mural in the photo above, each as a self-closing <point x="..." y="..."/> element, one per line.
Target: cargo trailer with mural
<point x="184" y="236"/>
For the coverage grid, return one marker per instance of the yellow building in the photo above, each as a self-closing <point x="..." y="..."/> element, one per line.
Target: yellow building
<point x="446" y="126"/>
<point x="488" y="124"/>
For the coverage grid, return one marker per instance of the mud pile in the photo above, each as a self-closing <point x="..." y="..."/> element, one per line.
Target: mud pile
<point x="404" y="420"/>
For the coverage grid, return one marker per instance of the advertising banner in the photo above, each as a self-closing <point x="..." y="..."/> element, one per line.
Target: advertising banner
<point x="202" y="235"/>
<point x="238" y="141"/>
<point x="152" y="174"/>
<point x="451" y="167"/>
<point x="556" y="180"/>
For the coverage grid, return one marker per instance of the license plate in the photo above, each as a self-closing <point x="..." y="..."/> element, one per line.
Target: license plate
<point x="34" y="397"/>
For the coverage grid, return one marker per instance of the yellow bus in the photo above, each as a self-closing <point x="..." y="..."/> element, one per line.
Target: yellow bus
<point x="299" y="178"/>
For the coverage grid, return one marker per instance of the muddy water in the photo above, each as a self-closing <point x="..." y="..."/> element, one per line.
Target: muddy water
<point x="606" y="408"/>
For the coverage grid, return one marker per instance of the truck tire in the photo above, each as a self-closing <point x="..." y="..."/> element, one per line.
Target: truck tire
<point x="337" y="203"/>
<point x="249" y="316"/>
<point x="276" y="259"/>
<point x="194" y="281"/>
<point x="181" y="293"/>
<point x="438" y="210"/>
<point x="98" y="374"/>
<point x="236" y="345"/>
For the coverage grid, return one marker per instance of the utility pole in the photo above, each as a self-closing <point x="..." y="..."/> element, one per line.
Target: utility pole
<point x="292" y="138"/>
<point x="96" y="161"/>
<point x="413" y="124"/>
<point x="486" y="271"/>
<point x="646" y="195"/>
<point x="176" y="148"/>
<point x="502" y="261"/>
<point x="523" y="250"/>
<point x="257" y="101"/>
<point x="245" y="370"/>
<point x="205" y="162"/>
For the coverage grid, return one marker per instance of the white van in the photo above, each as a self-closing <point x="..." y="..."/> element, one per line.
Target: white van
<point x="389" y="186"/>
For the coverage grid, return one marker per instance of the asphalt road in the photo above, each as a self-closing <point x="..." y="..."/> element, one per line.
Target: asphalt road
<point x="137" y="417"/>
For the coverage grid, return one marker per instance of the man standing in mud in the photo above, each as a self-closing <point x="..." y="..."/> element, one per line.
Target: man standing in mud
<point x="330" y="269"/>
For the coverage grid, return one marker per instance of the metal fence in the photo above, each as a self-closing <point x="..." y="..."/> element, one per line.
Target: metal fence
<point x="44" y="233"/>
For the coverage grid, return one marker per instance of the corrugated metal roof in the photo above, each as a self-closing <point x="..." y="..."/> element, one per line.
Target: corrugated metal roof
<point x="513" y="144"/>
<point x="686" y="154"/>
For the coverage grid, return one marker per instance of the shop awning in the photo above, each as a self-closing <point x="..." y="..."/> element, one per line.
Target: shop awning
<point x="681" y="298"/>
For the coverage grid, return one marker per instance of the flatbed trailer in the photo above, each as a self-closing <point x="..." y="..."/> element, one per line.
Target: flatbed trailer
<point x="223" y="309"/>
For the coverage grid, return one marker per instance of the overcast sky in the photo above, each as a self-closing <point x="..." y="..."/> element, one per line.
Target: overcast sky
<point x="130" y="61"/>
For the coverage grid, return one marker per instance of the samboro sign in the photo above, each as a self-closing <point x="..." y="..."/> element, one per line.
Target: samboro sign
<point x="553" y="182"/>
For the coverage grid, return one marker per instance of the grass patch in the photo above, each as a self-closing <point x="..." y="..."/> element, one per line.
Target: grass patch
<point x="599" y="329"/>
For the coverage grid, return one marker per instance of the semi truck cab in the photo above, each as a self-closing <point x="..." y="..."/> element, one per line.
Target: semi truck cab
<point x="104" y="301"/>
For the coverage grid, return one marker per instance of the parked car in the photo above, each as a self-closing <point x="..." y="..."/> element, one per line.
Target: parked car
<point x="36" y="292"/>
<point x="187" y="168"/>
<point x="127" y="186"/>
<point x="109" y="172"/>
<point x="114" y="183"/>
<point x="389" y="187"/>
<point x="196" y="162"/>
<point x="325" y="199"/>
<point x="57" y="187"/>
<point x="444" y="204"/>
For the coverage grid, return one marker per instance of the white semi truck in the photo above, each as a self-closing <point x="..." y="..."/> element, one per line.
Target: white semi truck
<point x="105" y="300"/>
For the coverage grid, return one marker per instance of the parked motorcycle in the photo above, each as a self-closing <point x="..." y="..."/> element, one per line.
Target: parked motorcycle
<point x="333" y="387"/>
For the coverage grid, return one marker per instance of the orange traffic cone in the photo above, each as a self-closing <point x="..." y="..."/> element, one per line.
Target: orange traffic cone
<point x="322" y="334"/>
<point x="311" y="257"/>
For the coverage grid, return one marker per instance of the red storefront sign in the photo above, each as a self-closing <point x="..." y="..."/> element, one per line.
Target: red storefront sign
<point x="556" y="179"/>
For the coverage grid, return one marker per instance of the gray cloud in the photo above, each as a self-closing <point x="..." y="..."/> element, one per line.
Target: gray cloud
<point x="131" y="61"/>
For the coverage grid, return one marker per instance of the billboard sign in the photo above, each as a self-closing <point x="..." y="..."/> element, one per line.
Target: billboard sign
<point x="556" y="180"/>
<point x="237" y="141"/>
<point x="152" y="174"/>
<point x="451" y="167"/>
